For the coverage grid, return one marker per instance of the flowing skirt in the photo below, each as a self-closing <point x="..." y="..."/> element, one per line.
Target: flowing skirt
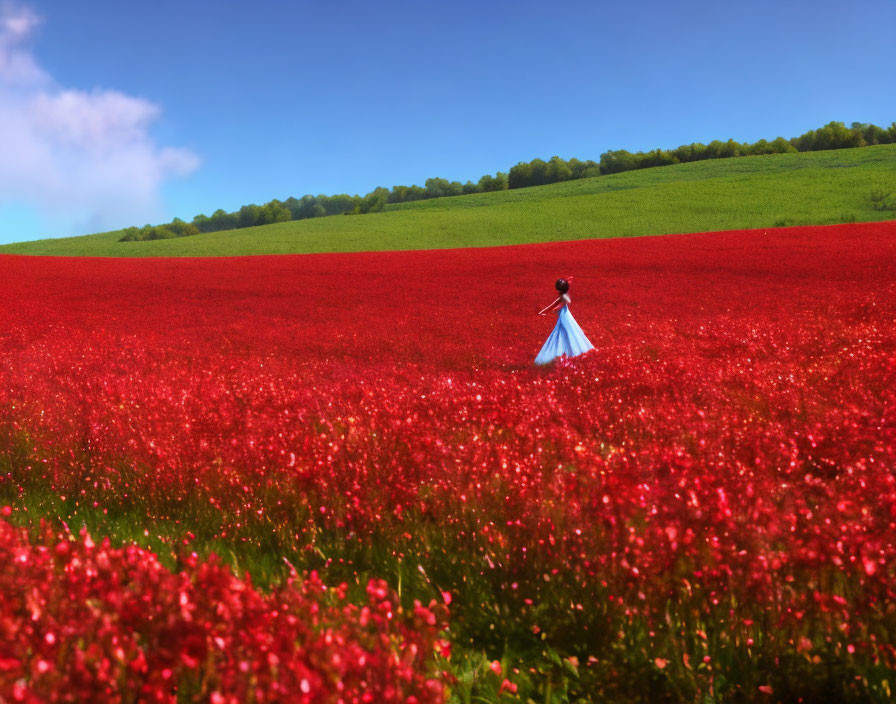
<point x="566" y="339"/>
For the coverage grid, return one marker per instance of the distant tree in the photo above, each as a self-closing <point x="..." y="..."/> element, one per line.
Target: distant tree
<point x="557" y="170"/>
<point x="520" y="175"/>
<point x="539" y="169"/>
<point x="717" y="149"/>
<point x="406" y="194"/>
<point x="805" y="142"/>
<point x="203" y="223"/>
<point x="221" y="220"/>
<point x="455" y="188"/>
<point x="583" y="169"/>
<point x="160" y="232"/>
<point x="872" y="134"/>
<point x="490" y="183"/>
<point x="304" y="208"/>
<point x="657" y="157"/>
<point x="179" y="228"/>
<point x="698" y="151"/>
<point x="684" y="153"/>
<point x="782" y="146"/>
<point x="338" y="204"/>
<point x="437" y="187"/>
<point x="613" y="162"/>
<point x="539" y="172"/>
<point x="248" y="215"/>
<point x="839" y="136"/>
<point x="778" y="146"/>
<point x="834" y="135"/>
<point x="292" y="204"/>
<point x="398" y="194"/>
<point x="381" y="191"/>
<point x="373" y="202"/>
<point x="130" y="234"/>
<point x="274" y="212"/>
<point x="724" y="150"/>
<point x="714" y="150"/>
<point x="760" y="147"/>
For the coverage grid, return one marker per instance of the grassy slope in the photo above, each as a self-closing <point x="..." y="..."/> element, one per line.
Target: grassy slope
<point x="750" y="192"/>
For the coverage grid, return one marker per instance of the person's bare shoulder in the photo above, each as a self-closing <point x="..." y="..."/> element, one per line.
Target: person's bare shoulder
<point x="566" y="298"/>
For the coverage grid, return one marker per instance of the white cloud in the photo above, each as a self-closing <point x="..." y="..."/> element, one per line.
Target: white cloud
<point x="84" y="160"/>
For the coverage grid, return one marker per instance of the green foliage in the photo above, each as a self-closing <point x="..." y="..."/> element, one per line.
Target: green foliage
<point x="176" y="228"/>
<point x="489" y="183"/>
<point x="130" y="234"/>
<point x="373" y="202"/>
<point x="407" y="194"/>
<point x="613" y="162"/>
<point x="871" y="134"/>
<point x="716" y="194"/>
<point x="338" y="204"/>
<point x="440" y="188"/>
<point x="179" y="228"/>
<point x="202" y="223"/>
<point x="222" y="221"/>
<point x="273" y="212"/>
<point x="834" y="135"/>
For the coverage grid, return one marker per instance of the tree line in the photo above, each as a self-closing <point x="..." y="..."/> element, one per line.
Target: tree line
<point x="834" y="135"/>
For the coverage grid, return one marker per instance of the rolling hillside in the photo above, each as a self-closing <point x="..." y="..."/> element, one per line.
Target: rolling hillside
<point x="812" y="188"/>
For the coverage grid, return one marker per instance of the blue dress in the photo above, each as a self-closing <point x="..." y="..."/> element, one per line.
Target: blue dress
<point x="566" y="338"/>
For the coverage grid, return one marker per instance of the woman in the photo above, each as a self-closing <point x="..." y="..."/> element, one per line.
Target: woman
<point x="567" y="337"/>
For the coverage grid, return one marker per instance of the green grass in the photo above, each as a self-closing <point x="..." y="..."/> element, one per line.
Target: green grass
<point x="815" y="188"/>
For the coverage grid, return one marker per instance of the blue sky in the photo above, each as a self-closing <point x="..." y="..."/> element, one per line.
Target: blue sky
<point x="121" y="113"/>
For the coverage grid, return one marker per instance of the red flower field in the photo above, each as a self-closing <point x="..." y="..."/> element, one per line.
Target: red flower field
<point x="704" y="506"/>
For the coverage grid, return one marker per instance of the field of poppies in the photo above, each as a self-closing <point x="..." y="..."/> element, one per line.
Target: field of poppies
<point x="339" y="477"/>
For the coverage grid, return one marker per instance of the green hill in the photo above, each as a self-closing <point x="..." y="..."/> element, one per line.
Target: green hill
<point x="812" y="188"/>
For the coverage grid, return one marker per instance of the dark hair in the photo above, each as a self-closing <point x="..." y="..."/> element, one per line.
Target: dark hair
<point x="562" y="285"/>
